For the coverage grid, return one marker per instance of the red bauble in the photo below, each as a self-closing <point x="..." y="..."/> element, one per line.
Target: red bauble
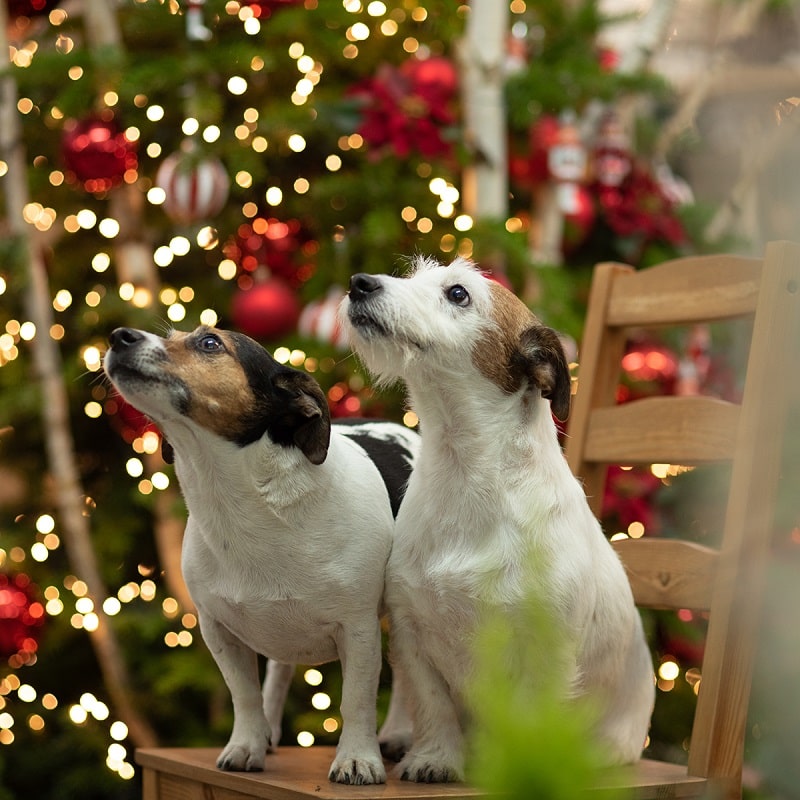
<point x="21" y="617"/>
<point x="97" y="152"/>
<point x="195" y="188"/>
<point x="267" y="310"/>
<point x="265" y="8"/>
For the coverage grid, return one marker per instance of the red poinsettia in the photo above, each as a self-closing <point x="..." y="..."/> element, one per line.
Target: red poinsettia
<point x="640" y="208"/>
<point x="409" y="108"/>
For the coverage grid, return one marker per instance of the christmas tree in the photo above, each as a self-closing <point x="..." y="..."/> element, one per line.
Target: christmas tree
<point x="233" y="163"/>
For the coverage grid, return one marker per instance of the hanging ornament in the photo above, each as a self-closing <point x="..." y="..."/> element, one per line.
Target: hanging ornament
<point x="267" y="310"/>
<point x="611" y="156"/>
<point x="319" y="320"/>
<point x="21" y="618"/>
<point x="97" y="153"/>
<point x="196" y="31"/>
<point x="566" y="163"/>
<point x="195" y="188"/>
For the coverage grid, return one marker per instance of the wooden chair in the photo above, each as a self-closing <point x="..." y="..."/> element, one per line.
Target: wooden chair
<point x="664" y="573"/>
<point x="692" y="430"/>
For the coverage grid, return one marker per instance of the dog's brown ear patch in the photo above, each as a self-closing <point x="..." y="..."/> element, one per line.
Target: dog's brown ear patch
<point x="306" y="414"/>
<point x="545" y="364"/>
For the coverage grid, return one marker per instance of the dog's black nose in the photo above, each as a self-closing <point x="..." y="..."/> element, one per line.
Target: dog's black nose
<point x="124" y="337"/>
<point x="363" y="285"/>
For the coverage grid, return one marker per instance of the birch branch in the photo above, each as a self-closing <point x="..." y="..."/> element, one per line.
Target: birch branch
<point x="482" y="55"/>
<point x="59" y="444"/>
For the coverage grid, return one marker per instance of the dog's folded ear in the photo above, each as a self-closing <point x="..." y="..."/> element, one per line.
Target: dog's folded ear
<point x="306" y="414"/>
<point x="546" y="366"/>
<point x="167" y="451"/>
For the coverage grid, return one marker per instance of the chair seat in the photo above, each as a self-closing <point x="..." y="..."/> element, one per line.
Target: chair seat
<point x="294" y="773"/>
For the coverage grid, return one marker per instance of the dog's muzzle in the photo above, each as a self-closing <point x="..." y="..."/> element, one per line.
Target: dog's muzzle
<point x="363" y="289"/>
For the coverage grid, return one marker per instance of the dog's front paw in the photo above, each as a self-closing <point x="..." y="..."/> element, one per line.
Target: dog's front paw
<point x="242" y="758"/>
<point x="428" y="768"/>
<point x="357" y="771"/>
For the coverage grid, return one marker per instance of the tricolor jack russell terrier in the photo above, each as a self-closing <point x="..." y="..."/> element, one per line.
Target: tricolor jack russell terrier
<point x="289" y="530"/>
<point x="489" y="488"/>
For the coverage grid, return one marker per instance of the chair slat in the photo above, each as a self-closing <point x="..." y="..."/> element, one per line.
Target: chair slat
<point x="663" y="430"/>
<point x="669" y="573"/>
<point x="703" y="288"/>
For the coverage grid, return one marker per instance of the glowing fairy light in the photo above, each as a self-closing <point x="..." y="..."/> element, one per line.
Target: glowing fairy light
<point x="111" y="606"/>
<point x="237" y="85"/>
<point x="179" y="245"/>
<point x="209" y="317"/>
<point x="101" y="262"/>
<point x="321" y="701"/>
<point x="108" y="227"/>
<point x="118" y="731"/>
<point x="669" y="670"/>
<point x="463" y="222"/>
<point x="305" y="739"/>
<point x="45" y="523"/>
<point x="313" y="677"/>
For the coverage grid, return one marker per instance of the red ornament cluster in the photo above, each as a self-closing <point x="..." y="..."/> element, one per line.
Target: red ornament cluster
<point x="409" y="108"/>
<point x="284" y="248"/>
<point x="97" y="153"/>
<point x="21" y="618"/>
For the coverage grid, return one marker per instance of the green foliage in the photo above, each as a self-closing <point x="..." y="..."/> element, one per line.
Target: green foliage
<point x="565" y="71"/>
<point x="529" y="741"/>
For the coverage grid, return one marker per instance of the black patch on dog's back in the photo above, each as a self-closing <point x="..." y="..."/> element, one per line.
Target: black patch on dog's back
<point x="388" y="451"/>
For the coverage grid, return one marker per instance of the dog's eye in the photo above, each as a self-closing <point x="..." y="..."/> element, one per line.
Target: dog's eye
<point x="458" y="294"/>
<point x="210" y="343"/>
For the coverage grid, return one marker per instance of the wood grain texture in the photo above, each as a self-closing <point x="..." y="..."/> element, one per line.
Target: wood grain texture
<point x="295" y="773"/>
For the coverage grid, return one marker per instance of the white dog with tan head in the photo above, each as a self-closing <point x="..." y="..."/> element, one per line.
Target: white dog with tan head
<point x="491" y="488"/>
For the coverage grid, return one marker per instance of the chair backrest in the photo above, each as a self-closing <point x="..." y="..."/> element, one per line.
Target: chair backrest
<point x="692" y="430"/>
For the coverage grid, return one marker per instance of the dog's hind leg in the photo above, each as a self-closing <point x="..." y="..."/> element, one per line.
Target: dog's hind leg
<point x="238" y="664"/>
<point x="396" y="732"/>
<point x="358" y="758"/>
<point x="276" y="686"/>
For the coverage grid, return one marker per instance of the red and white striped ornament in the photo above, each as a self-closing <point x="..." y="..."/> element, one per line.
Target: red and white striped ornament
<point x="195" y="188"/>
<point x="318" y="320"/>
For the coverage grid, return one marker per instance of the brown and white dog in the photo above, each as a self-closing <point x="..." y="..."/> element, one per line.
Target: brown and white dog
<point x="289" y="530"/>
<point x="492" y="514"/>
